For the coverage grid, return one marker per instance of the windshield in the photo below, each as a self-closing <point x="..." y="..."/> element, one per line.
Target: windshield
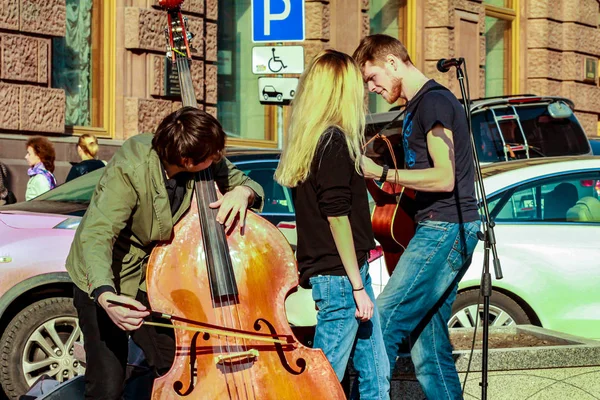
<point x="546" y="136"/>
<point x="78" y="190"/>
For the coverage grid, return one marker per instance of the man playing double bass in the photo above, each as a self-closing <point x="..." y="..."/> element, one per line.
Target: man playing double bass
<point x="417" y="301"/>
<point x="145" y="189"/>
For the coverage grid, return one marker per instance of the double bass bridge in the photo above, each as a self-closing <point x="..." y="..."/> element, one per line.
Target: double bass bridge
<point x="232" y="358"/>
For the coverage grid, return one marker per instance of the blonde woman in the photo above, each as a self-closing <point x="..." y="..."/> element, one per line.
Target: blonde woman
<point x="87" y="148"/>
<point x="321" y="163"/>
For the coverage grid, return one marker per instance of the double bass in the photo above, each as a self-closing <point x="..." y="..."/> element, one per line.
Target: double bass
<point x="225" y="294"/>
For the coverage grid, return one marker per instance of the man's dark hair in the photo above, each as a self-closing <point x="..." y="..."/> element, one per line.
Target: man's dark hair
<point x="189" y="133"/>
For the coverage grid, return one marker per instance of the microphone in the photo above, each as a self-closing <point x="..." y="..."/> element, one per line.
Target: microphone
<point x="444" y="65"/>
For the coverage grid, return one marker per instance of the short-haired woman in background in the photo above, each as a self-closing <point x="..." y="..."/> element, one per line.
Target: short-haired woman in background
<point x="40" y="157"/>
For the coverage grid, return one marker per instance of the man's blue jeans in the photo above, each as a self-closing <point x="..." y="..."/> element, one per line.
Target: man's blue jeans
<point x="340" y="335"/>
<point x="417" y="301"/>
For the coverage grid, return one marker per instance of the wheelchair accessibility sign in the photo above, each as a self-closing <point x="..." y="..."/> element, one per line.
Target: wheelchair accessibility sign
<point x="277" y="60"/>
<point x="276" y="90"/>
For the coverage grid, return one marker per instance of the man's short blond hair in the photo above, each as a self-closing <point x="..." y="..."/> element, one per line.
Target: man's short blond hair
<point x="375" y="49"/>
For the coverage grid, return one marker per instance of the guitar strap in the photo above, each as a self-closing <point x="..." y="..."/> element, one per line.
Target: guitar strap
<point x="416" y="100"/>
<point x="414" y="104"/>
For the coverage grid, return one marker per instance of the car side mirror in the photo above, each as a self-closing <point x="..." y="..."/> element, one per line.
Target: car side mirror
<point x="559" y="109"/>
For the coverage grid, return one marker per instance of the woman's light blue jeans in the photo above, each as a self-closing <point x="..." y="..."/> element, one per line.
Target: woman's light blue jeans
<point x="341" y="336"/>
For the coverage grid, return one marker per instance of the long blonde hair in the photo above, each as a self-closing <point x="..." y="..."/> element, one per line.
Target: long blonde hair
<point x="330" y="94"/>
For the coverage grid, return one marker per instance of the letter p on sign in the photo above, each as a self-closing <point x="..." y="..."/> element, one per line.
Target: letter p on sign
<point x="277" y="21"/>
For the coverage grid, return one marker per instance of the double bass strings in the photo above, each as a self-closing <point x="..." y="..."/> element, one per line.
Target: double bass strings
<point x="208" y="194"/>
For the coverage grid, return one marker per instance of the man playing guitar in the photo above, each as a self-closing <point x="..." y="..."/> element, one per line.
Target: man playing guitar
<point x="417" y="301"/>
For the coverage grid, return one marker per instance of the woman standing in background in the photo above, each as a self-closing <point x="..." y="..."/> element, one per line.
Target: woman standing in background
<point x="40" y="157"/>
<point x="6" y="196"/>
<point x="87" y="148"/>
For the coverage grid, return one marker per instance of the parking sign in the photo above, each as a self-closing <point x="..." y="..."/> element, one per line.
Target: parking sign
<point x="277" y="21"/>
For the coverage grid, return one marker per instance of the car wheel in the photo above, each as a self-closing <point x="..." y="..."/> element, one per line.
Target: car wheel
<point x="504" y="311"/>
<point x="39" y="340"/>
<point x="266" y="96"/>
<point x="279" y="97"/>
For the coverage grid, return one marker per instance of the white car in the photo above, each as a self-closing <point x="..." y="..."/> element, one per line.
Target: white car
<point x="547" y="215"/>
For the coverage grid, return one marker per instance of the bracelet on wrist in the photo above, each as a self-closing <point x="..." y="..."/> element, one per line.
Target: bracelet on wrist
<point x="384" y="173"/>
<point x="359" y="289"/>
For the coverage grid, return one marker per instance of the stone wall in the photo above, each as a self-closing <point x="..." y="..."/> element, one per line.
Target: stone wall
<point x="27" y="103"/>
<point x="145" y="102"/>
<point x="324" y="18"/>
<point x="317" y="29"/>
<point x="561" y="33"/>
<point x="443" y="36"/>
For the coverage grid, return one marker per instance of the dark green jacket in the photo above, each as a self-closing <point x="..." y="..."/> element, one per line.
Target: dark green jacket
<point x="129" y="213"/>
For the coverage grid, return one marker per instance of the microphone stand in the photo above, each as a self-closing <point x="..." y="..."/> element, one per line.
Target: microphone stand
<point x="488" y="237"/>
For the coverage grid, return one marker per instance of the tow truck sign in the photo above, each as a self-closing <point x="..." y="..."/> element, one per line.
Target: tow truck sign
<point x="278" y="91"/>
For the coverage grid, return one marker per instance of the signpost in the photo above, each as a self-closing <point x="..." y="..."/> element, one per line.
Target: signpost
<point x="277" y="21"/>
<point x="277" y="60"/>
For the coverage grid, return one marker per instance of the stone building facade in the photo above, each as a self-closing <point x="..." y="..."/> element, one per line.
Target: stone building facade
<point x="511" y="46"/>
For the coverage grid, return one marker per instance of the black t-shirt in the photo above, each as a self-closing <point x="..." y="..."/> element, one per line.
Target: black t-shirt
<point x="333" y="188"/>
<point x="431" y="106"/>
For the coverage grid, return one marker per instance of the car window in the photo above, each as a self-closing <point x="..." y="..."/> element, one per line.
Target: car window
<point x="278" y="199"/>
<point x="546" y="136"/>
<point x="79" y="190"/>
<point x="572" y="198"/>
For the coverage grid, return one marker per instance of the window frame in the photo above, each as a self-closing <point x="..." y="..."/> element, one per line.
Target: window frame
<point x="103" y="107"/>
<point x="509" y="13"/>
<point x="408" y="24"/>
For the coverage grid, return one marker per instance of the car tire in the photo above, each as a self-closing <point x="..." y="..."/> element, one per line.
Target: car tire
<point x="266" y="96"/>
<point x="20" y="344"/>
<point x="504" y="311"/>
<point x="279" y="97"/>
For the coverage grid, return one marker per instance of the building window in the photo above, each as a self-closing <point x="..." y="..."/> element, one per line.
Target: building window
<point x="500" y="24"/>
<point x="387" y="17"/>
<point x="81" y="65"/>
<point x="245" y="120"/>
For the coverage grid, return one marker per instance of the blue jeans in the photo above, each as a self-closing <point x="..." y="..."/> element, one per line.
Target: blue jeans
<point x="417" y="302"/>
<point x="340" y="335"/>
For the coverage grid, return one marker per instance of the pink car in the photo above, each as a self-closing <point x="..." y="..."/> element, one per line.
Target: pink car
<point x="38" y="323"/>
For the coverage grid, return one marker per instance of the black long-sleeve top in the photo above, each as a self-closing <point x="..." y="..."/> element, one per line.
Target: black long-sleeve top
<point x="333" y="188"/>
